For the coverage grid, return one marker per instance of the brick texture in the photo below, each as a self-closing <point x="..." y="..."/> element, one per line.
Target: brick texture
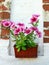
<point x="46" y="24"/>
<point x="5" y="15"/>
<point x="46" y="40"/>
<point x="46" y="1"/>
<point x="46" y="7"/>
<point x="2" y="7"/>
<point x="46" y="21"/>
<point x="0" y="15"/>
<point x="46" y="32"/>
<point x="2" y="0"/>
<point x="7" y="32"/>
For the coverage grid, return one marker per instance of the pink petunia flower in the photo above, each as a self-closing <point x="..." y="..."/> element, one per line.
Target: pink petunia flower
<point x="34" y="19"/>
<point x="27" y="31"/>
<point x="35" y="15"/>
<point x="16" y="31"/>
<point x="13" y="26"/>
<point x="20" y="24"/>
<point x="34" y="28"/>
<point x="6" y="23"/>
<point x="39" y="33"/>
<point x="22" y="29"/>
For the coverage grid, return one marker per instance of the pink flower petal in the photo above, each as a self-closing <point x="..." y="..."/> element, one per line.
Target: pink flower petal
<point x="16" y="31"/>
<point x="27" y="31"/>
<point x="13" y="26"/>
<point x="38" y="33"/>
<point x="6" y="23"/>
<point x="35" y="15"/>
<point x="34" y="19"/>
<point x="20" y="24"/>
<point x="33" y="28"/>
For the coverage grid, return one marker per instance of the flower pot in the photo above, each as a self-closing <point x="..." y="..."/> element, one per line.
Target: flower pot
<point x="29" y="53"/>
<point x="5" y="33"/>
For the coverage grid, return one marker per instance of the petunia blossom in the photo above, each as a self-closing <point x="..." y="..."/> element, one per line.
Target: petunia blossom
<point x="22" y="29"/>
<point x="34" y="19"/>
<point x="13" y="26"/>
<point x="38" y="33"/>
<point x="27" y="31"/>
<point x="35" y="15"/>
<point x="16" y="31"/>
<point x="34" y="28"/>
<point x="6" y="23"/>
<point x="20" y="24"/>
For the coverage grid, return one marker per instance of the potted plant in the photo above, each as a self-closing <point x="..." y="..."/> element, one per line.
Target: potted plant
<point x="24" y="37"/>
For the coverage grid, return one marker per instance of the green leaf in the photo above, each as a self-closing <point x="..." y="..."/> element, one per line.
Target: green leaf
<point x="18" y="49"/>
<point x="33" y="44"/>
<point x="23" y="48"/>
<point x="12" y="32"/>
<point x="17" y="46"/>
<point x="24" y="44"/>
<point x="36" y="24"/>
